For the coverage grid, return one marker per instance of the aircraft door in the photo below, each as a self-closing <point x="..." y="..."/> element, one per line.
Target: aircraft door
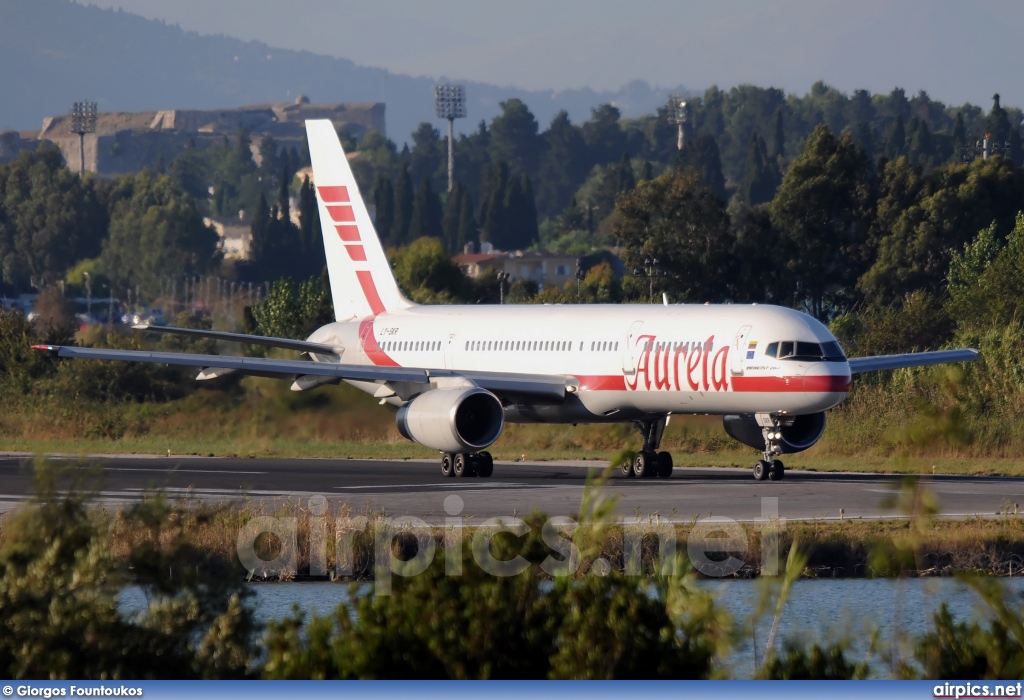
<point x="739" y="351"/>
<point x="631" y="351"/>
<point x="449" y="347"/>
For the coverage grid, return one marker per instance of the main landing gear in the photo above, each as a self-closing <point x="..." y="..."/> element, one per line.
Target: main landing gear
<point x="648" y="462"/>
<point x="769" y="467"/>
<point x="463" y="465"/>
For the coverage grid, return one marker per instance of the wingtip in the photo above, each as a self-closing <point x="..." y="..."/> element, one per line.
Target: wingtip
<point x="46" y="348"/>
<point x="141" y="326"/>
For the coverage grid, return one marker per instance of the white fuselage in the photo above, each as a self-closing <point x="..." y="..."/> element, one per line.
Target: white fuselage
<point x="624" y="361"/>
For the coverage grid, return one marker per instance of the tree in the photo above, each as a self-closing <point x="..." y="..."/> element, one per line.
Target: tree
<point x="49" y="219"/>
<point x="384" y="205"/>
<point x="896" y="140"/>
<point x="427" y="273"/>
<point x="823" y="209"/>
<point x="514" y="139"/>
<point x="403" y="207"/>
<point x="761" y="177"/>
<point x="997" y="124"/>
<point x="155" y="230"/>
<point x="428" y="156"/>
<point x="778" y="147"/>
<point x="953" y="203"/>
<point x="683" y="224"/>
<point x="702" y="158"/>
<point x="603" y="135"/>
<point x="426" y="213"/>
<point x="563" y="165"/>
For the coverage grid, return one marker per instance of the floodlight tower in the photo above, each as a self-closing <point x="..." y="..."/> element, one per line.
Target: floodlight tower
<point x="678" y="114"/>
<point x="450" y="104"/>
<point x="83" y="121"/>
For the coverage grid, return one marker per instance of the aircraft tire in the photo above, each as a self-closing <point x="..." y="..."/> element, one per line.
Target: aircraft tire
<point x="776" y="471"/>
<point x="760" y="470"/>
<point x="447" y="464"/>
<point x="664" y="463"/>
<point x="643" y="464"/>
<point x="485" y="465"/>
<point x="627" y="469"/>
<point x="460" y="466"/>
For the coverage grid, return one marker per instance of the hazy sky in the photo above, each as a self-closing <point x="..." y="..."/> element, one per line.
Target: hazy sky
<point x="957" y="51"/>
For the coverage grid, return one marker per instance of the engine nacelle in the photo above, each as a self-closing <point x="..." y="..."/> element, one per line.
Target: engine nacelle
<point x="802" y="433"/>
<point x="464" y="419"/>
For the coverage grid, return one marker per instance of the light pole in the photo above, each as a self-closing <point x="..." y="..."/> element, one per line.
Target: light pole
<point x="450" y="104"/>
<point x="83" y="121"/>
<point x="503" y="277"/>
<point x="650" y="270"/>
<point x="678" y="114"/>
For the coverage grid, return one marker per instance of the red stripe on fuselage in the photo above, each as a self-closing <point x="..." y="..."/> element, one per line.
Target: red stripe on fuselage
<point x="371" y="347"/>
<point x="612" y="382"/>
<point x="365" y="278"/>
<point x="821" y="384"/>
<point x="333" y="194"/>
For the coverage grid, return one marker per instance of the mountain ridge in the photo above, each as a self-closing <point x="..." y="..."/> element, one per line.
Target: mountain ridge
<point x="61" y="51"/>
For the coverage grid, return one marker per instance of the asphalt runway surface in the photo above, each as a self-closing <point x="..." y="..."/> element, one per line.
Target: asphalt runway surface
<point x="417" y="488"/>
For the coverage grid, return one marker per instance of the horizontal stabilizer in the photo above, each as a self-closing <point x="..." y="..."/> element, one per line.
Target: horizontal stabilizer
<point x="879" y="363"/>
<point x="284" y="343"/>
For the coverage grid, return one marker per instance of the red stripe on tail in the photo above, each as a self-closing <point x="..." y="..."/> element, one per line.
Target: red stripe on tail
<point x="342" y="214"/>
<point x="334" y="194"/>
<point x="365" y="278"/>
<point x="348" y="233"/>
<point x="356" y="252"/>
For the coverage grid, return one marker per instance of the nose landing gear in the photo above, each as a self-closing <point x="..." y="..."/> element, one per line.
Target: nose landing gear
<point x="769" y="467"/>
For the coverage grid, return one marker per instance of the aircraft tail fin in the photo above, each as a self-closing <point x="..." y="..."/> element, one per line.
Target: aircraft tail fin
<point x="361" y="280"/>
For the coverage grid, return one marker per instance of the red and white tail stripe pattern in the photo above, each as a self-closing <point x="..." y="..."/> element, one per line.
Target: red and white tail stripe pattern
<point x="361" y="280"/>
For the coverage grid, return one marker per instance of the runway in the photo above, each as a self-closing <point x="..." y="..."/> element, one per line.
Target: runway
<point x="417" y="488"/>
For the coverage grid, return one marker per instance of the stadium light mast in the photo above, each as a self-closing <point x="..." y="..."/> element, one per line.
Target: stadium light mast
<point x="678" y="114"/>
<point x="450" y="104"/>
<point x="83" y="121"/>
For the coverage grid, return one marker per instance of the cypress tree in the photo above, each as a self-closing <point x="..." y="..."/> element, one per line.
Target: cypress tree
<point x="426" y="214"/>
<point x="896" y="143"/>
<point x="384" y="203"/>
<point x="778" y="138"/>
<point x="283" y="198"/>
<point x="529" y="233"/>
<point x="959" y="138"/>
<point x="626" y="179"/>
<point x="403" y="207"/>
<point x="1016" y="153"/>
<point x="467" y="225"/>
<point x="259" y="227"/>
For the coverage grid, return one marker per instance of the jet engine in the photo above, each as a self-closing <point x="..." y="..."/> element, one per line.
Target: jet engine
<point x="800" y="433"/>
<point x="464" y="419"/>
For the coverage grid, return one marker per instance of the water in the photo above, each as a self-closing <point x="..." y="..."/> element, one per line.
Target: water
<point x="819" y="610"/>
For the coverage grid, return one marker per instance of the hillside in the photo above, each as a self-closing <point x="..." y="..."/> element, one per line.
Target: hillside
<point x="57" y="51"/>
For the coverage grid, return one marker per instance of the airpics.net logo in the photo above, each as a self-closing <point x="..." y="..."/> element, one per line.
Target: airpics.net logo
<point x="966" y="691"/>
<point x="407" y="545"/>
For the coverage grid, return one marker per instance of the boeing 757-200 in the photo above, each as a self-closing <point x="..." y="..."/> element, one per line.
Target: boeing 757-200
<point x="458" y="373"/>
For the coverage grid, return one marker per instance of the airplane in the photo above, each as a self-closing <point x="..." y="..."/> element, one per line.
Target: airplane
<point x="459" y="373"/>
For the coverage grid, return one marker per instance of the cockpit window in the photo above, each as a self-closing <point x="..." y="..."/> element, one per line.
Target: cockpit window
<point x="801" y="351"/>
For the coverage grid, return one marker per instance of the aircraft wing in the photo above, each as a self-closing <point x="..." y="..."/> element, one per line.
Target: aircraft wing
<point x="539" y="387"/>
<point x="285" y="343"/>
<point x="911" y="359"/>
